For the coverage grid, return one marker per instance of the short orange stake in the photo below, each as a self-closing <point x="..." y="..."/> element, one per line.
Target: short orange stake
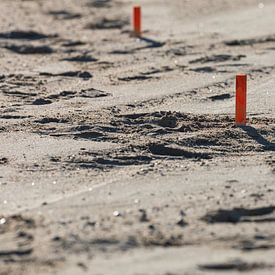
<point x="137" y="20"/>
<point x="241" y="91"/>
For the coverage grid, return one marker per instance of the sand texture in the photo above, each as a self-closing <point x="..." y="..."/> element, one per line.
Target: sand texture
<point x="120" y="155"/>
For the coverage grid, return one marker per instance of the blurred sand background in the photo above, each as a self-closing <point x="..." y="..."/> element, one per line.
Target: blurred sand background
<point x="119" y="155"/>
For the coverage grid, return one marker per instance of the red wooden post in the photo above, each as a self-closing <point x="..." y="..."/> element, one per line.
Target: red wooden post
<point x="241" y="92"/>
<point x="137" y="20"/>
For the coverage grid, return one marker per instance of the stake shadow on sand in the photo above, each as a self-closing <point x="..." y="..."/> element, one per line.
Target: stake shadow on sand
<point x="253" y="133"/>
<point x="149" y="43"/>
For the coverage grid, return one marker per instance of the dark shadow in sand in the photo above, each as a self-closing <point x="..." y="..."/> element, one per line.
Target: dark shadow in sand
<point x="236" y="215"/>
<point x="253" y="133"/>
<point x="25" y="35"/>
<point x="151" y="43"/>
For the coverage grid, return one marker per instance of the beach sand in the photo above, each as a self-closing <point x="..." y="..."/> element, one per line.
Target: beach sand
<point x="120" y="155"/>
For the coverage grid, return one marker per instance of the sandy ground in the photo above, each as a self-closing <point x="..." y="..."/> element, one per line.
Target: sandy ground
<point x="120" y="155"/>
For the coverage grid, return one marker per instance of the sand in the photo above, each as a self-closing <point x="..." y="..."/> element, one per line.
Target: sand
<point x="120" y="155"/>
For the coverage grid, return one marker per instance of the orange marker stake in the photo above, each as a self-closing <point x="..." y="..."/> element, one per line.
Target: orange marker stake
<point x="137" y="20"/>
<point x="241" y="91"/>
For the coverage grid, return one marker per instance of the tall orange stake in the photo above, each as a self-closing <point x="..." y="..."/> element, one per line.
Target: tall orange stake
<point x="137" y="20"/>
<point x="241" y="91"/>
